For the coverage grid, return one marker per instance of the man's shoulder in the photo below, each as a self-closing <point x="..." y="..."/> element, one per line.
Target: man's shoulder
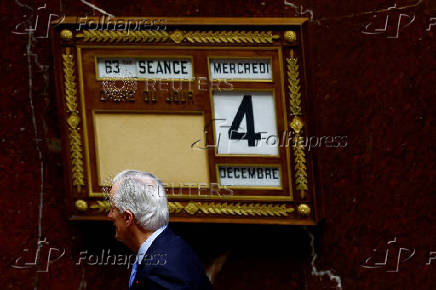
<point x="170" y="256"/>
<point x="173" y="251"/>
<point x="169" y="241"/>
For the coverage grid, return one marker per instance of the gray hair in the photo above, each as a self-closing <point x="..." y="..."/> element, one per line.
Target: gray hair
<point x="144" y="195"/>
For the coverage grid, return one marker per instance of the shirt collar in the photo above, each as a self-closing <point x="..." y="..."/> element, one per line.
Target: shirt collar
<point x="145" y="245"/>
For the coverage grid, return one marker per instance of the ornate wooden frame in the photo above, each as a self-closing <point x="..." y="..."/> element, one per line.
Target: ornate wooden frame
<point x="280" y="39"/>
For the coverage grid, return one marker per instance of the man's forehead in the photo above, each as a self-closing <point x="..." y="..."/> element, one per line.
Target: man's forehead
<point x="148" y="180"/>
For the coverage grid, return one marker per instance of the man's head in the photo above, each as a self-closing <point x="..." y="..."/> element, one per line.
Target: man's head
<point x="137" y="198"/>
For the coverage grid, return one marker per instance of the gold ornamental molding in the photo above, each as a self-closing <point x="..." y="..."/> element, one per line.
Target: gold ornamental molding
<point x="66" y="34"/>
<point x="303" y="209"/>
<point x="220" y="208"/>
<point x="178" y="36"/>
<point x="101" y="206"/>
<point x="73" y="120"/>
<point x="244" y="37"/>
<point x="224" y="208"/>
<point x="81" y="205"/>
<point x="290" y="36"/>
<point x="297" y="124"/>
<point x="123" y="36"/>
<point x="294" y="84"/>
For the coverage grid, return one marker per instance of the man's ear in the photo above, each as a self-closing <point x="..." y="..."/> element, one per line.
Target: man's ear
<point x="129" y="217"/>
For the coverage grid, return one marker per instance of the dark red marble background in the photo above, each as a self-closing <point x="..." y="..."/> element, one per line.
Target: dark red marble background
<point x="376" y="89"/>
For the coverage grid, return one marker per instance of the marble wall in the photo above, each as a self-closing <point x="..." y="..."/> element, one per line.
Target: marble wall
<point x="373" y="80"/>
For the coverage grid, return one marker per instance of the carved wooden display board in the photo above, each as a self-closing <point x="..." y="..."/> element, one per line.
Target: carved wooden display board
<point x="215" y="107"/>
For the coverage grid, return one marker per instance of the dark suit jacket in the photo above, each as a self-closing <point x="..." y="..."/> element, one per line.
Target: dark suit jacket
<point x="170" y="263"/>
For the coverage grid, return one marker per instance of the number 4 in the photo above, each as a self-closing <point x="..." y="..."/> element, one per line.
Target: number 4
<point x="245" y="108"/>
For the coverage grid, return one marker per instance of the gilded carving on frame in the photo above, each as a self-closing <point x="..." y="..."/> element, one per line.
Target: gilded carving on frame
<point x="73" y="120"/>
